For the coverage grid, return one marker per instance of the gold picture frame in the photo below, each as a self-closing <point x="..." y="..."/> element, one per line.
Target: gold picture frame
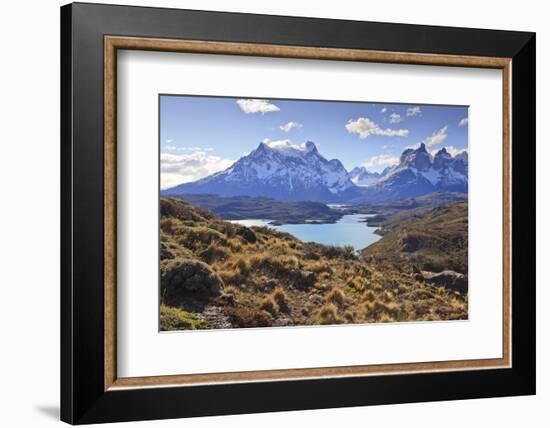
<point x="114" y="43"/>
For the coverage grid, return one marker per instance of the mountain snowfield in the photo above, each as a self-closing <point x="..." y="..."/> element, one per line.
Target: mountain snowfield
<point x="299" y="173"/>
<point x="281" y="171"/>
<point x="361" y="176"/>
<point x="418" y="173"/>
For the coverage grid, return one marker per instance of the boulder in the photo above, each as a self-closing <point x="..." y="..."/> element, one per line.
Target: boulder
<point x="186" y="276"/>
<point x="449" y="279"/>
<point x="247" y="234"/>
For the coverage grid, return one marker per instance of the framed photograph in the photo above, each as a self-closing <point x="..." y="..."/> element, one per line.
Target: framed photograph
<point x="266" y="213"/>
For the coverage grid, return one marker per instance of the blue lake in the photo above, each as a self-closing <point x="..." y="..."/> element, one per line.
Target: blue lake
<point x="351" y="229"/>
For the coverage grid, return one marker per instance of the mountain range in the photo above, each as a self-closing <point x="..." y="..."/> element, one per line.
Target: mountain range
<point x="419" y="173"/>
<point x="301" y="173"/>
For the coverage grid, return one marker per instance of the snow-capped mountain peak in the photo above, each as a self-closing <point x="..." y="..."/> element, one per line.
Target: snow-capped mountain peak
<point x="361" y="176"/>
<point x="418" y="158"/>
<point x="442" y="159"/>
<point x="287" y="148"/>
<point x="283" y="170"/>
<point x="310" y="146"/>
<point x="417" y="174"/>
<point x="279" y="170"/>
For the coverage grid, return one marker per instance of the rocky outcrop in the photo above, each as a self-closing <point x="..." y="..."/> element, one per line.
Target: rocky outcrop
<point x="181" y="277"/>
<point x="247" y="234"/>
<point x="449" y="279"/>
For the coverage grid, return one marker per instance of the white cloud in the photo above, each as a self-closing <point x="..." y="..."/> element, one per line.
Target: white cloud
<point x="364" y="127"/>
<point x="283" y="144"/>
<point x="395" y="118"/>
<point x="287" y="127"/>
<point x="187" y="149"/>
<point x="172" y="147"/>
<point x="463" y="122"/>
<point x="194" y="149"/>
<point x="178" y="169"/>
<point x="278" y="144"/>
<point x="413" y="111"/>
<point x="257" y="106"/>
<point x="384" y="110"/>
<point x="379" y="162"/>
<point x="452" y="150"/>
<point x="436" y="138"/>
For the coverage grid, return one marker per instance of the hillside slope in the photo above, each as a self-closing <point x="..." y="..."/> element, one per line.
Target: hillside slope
<point x="215" y="274"/>
<point x="435" y="239"/>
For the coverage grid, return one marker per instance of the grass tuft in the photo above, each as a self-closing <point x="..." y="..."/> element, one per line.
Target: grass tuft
<point x="336" y="296"/>
<point x="269" y="305"/>
<point x="281" y="299"/>
<point x="328" y="314"/>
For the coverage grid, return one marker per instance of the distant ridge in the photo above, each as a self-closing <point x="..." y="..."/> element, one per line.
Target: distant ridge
<point x="418" y="174"/>
<point x="283" y="171"/>
<point x="286" y="171"/>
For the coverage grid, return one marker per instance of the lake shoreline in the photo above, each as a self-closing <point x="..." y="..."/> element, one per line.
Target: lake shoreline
<point x="350" y="229"/>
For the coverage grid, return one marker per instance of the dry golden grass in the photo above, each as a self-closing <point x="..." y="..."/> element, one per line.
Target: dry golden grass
<point x="328" y="314"/>
<point x="336" y="296"/>
<point x="268" y="304"/>
<point x="271" y="277"/>
<point x="281" y="299"/>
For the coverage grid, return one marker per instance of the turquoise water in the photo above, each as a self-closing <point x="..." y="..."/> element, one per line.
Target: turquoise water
<point x="349" y="230"/>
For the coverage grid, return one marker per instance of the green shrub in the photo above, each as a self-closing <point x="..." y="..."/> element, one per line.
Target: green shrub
<point x="181" y="277"/>
<point x="177" y="319"/>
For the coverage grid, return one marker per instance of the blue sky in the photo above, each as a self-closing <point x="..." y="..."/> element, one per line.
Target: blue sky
<point x="202" y="135"/>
